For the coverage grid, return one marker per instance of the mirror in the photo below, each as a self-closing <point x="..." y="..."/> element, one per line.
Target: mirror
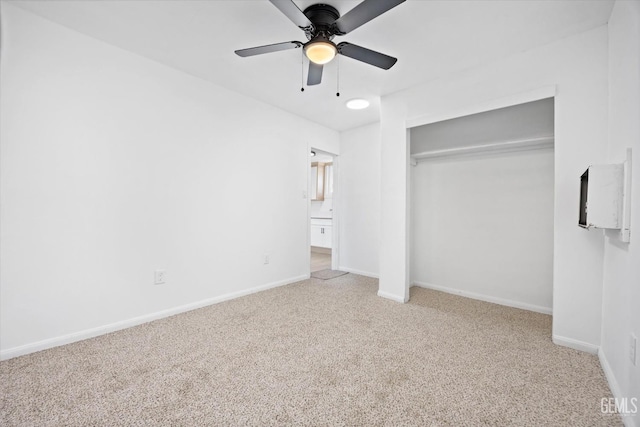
<point x="317" y="180"/>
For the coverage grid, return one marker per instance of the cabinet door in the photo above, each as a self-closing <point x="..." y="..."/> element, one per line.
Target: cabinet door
<point x="317" y="236"/>
<point x="321" y="236"/>
<point x="326" y="236"/>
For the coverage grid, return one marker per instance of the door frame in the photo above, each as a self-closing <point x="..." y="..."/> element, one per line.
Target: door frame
<point x="335" y="221"/>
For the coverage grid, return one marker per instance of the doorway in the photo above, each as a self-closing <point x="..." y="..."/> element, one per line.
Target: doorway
<point x="321" y="210"/>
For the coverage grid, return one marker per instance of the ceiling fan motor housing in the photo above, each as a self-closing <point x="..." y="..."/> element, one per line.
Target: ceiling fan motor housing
<point x="323" y="16"/>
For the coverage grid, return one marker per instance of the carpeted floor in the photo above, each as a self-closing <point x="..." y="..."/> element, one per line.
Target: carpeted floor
<point x="317" y="352"/>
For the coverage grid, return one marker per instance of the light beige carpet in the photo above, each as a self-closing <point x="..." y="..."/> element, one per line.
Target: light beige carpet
<point x="317" y="352"/>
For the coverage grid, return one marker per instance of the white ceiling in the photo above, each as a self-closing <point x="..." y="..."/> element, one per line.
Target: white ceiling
<point x="519" y="122"/>
<point x="430" y="39"/>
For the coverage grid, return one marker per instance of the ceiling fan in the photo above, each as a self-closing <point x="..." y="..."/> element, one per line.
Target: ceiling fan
<point x="321" y="23"/>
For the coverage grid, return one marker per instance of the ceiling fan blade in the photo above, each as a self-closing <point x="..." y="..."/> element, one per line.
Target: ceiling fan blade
<point x="363" y="13"/>
<point x="315" y="74"/>
<point x="366" y="55"/>
<point x="291" y="11"/>
<point x="259" y="50"/>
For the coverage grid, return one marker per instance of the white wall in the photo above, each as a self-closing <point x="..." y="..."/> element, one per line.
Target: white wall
<point x="395" y="278"/>
<point x="577" y="68"/>
<point x="359" y="192"/>
<point x="482" y="225"/>
<point x="114" y="166"/>
<point x="621" y="290"/>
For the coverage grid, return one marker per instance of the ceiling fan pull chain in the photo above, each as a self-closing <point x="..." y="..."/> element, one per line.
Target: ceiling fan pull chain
<point x="302" y="70"/>
<point x="338" y="79"/>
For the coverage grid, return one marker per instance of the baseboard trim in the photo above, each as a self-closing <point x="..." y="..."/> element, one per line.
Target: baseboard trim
<point x="608" y="373"/>
<point x="629" y="421"/>
<point x="116" y="326"/>
<point x="392" y="297"/>
<point x="486" y="298"/>
<point x="360" y="272"/>
<point x="575" y="344"/>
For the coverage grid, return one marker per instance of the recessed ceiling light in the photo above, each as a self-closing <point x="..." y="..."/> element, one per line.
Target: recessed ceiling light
<point x="357" y="104"/>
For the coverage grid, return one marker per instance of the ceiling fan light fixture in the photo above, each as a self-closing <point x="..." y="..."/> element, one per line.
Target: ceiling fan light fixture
<point x="357" y="104"/>
<point x="320" y="52"/>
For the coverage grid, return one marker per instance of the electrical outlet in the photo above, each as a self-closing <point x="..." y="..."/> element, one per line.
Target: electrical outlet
<point x="159" y="277"/>
<point x="632" y="348"/>
<point x="266" y="258"/>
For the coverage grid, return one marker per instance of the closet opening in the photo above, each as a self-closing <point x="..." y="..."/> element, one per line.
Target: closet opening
<point x="482" y="205"/>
